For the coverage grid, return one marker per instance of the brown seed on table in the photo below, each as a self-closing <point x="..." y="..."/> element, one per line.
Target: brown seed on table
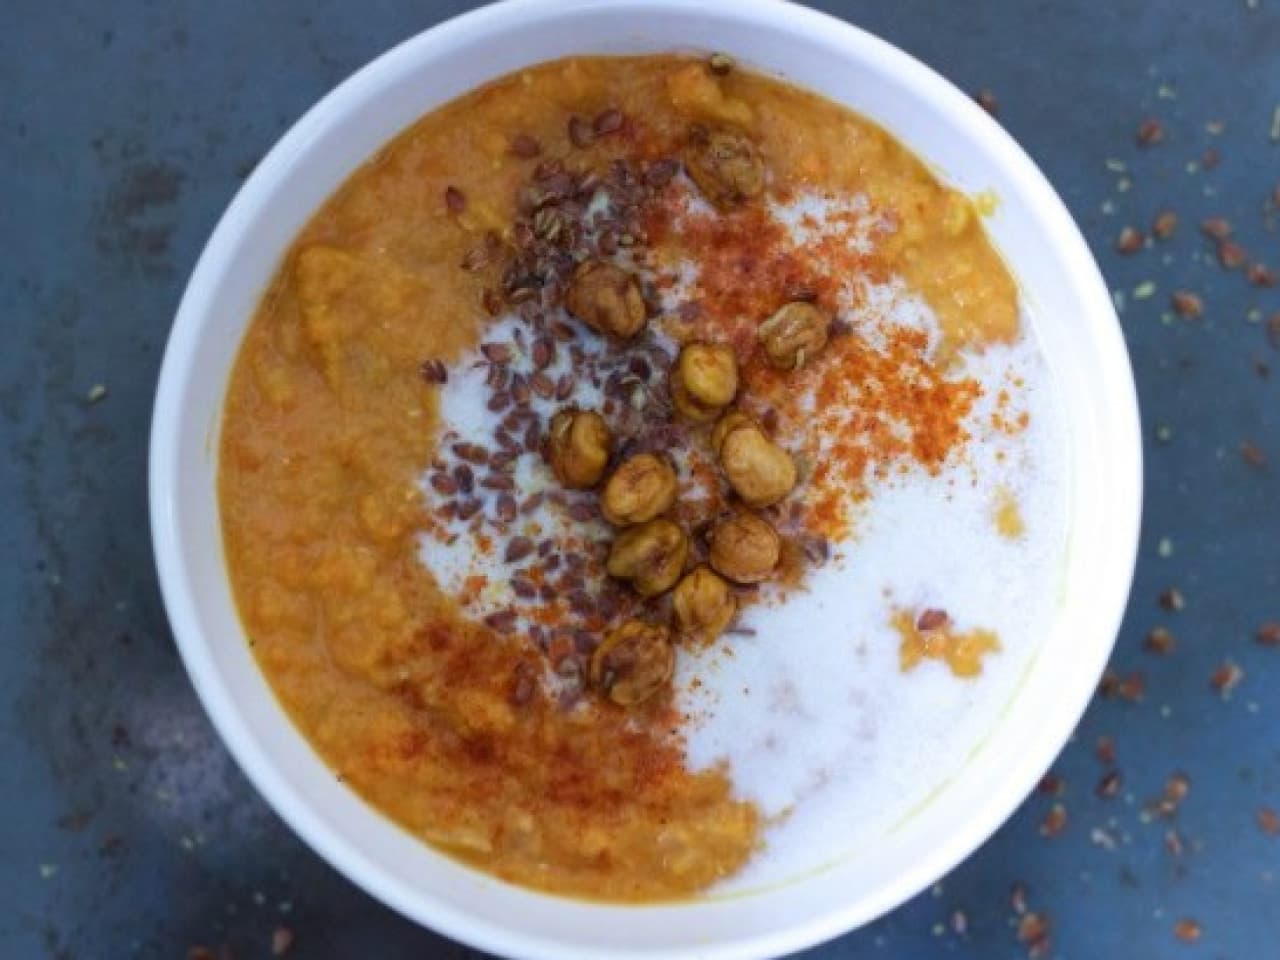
<point x="1051" y="784"/>
<point x="433" y="372"/>
<point x="1172" y="599"/>
<point x="518" y="549"/>
<point x="455" y="200"/>
<point x="1187" y="930"/>
<point x="1032" y="927"/>
<point x="468" y="509"/>
<point x="1109" y="785"/>
<point x="932" y="619"/>
<point x="443" y="484"/>
<point x="1260" y="276"/>
<point x="1105" y="750"/>
<point x="1165" y="224"/>
<point x="1186" y="304"/>
<point x="1216" y="228"/>
<point x="1129" y="241"/>
<point x="1226" y="678"/>
<point x="1273" y="330"/>
<point x="986" y="99"/>
<point x="580" y="132"/>
<point x="499" y="401"/>
<point x="532" y="502"/>
<point x="1133" y="687"/>
<point x="1173" y="843"/>
<point x="1268" y="821"/>
<point x="532" y="436"/>
<point x="1231" y="254"/>
<point x="1159" y="641"/>
<point x="525" y="147"/>
<point x="1055" y="821"/>
<point x="1210" y="159"/>
<point x="1269" y="634"/>
<point x="1150" y="131"/>
<point x="1252" y="455"/>
<point x="1018" y="899"/>
<point x="523" y="588"/>
<point x="281" y="941"/>
<point x="607" y="122"/>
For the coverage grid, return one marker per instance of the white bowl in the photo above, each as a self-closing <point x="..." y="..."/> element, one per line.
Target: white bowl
<point x="1077" y="327"/>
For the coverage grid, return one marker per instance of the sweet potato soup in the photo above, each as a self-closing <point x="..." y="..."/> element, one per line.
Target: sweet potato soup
<point x="556" y="426"/>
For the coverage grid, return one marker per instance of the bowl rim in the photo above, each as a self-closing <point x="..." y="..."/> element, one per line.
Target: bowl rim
<point x="177" y="585"/>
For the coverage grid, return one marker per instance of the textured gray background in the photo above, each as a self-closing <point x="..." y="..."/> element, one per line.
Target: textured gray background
<point x="126" y="127"/>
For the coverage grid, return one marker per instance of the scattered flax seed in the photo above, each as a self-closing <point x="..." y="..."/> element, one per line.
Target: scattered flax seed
<point x="1173" y="600"/>
<point x="1210" y="159"/>
<point x="1268" y="634"/>
<point x="1105" y="750"/>
<point x="1109" y="785"/>
<point x="455" y="200"/>
<point x="1177" y="787"/>
<point x="1109" y="684"/>
<point x="1055" y="821"/>
<point x="1273" y="330"/>
<point x="1150" y="132"/>
<point x="1165" y="224"/>
<point x="517" y="549"/>
<point x="1260" y="275"/>
<point x="1129" y="241"/>
<point x="1133" y="687"/>
<point x="1216" y="228"/>
<point x="1173" y="843"/>
<point x="1226" y="678"/>
<point x="281" y="941"/>
<point x="721" y="64"/>
<point x="1186" y="304"/>
<point x="1252" y="454"/>
<point x="1187" y="930"/>
<point x="1051" y="784"/>
<point x="1231" y="255"/>
<point x="987" y="100"/>
<point x="1268" y="821"/>
<point x="1160" y="641"/>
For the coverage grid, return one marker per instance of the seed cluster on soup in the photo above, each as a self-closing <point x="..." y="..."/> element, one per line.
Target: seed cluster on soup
<point x="561" y="385"/>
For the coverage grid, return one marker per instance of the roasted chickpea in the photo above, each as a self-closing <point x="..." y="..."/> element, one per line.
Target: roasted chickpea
<point x="651" y="556"/>
<point x="578" y="447"/>
<point x="704" y="604"/>
<point x="642" y="488"/>
<point x="726" y="166"/>
<point x="726" y="425"/>
<point x="606" y="298"/>
<point x="744" y="548"/>
<point x="795" y="333"/>
<point x="704" y="381"/>
<point x="759" y="470"/>
<point x="633" y="662"/>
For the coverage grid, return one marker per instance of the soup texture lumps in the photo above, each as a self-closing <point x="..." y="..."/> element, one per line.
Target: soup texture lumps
<point x="636" y="466"/>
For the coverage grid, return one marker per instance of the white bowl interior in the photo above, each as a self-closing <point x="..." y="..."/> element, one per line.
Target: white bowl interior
<point x="1077" y="328"/>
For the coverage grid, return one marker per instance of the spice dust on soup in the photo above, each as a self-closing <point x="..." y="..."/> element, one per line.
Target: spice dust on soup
<point x="614" y="473"/>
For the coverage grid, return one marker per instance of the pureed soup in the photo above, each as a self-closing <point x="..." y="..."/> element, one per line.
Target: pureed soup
<point x="641" y="476"/>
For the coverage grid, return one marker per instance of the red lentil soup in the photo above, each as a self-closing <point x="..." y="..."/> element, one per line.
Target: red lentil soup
<point x="443" y="719"/>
